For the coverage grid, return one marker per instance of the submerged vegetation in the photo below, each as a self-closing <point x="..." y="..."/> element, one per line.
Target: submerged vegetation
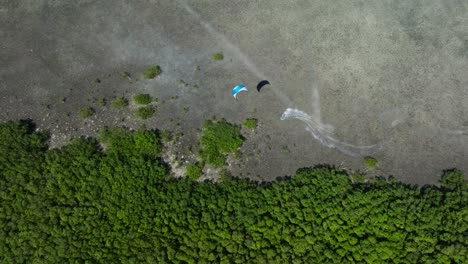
<point x="218" y="56"/>
<point x="117" y="203"/>
<point x="152" y="72"/>
<point x="102" y="102"/>
<point x="86" y="112"/>
<point x="370" y="163"/>
<point x="119" y="102"/>
<point x="144" y="112"/>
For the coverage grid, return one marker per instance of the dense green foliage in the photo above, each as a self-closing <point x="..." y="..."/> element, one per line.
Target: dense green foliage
<point x="142" y="99"/>
<point x="152" y="72"/>
<point x="250" y="123"/>
<point x="86" y="112"/>
<point x="144" y="112"/>
<point x="370" y="163"/>
<point x="218" y="139"/>
<point x="218" y="56"/>
<point x="82" y="205"/>
<point x="123" y="142"/>
<point x="119" y="102"/>
<point x="194" y="171"/>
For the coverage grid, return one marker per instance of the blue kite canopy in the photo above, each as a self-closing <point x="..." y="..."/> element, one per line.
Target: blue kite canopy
<point x="238" y="89"/>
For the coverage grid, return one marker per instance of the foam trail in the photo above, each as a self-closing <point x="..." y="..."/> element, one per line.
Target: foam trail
<point x="322" y="133"/>
<point x="234" y="49"/>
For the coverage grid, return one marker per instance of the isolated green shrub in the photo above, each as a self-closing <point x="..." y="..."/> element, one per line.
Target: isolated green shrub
<point x="218" y="139"/>
<point x="86" y="112"/>
<point x="370" y="163"/>
<point x="152" y="72"/>
<point x="119" y="102"/>
<point x="144" y="112"/>
<point x="142" y="99"/>
<point x="218" y="56"/>
<point x="250" y="123"/>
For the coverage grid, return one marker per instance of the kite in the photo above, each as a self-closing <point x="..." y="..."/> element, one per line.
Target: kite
<point x="238" y="89"/>
<point x="261" y="84"/>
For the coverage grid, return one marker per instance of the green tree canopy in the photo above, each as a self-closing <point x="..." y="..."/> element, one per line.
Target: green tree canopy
<point x="79" y="204"/>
